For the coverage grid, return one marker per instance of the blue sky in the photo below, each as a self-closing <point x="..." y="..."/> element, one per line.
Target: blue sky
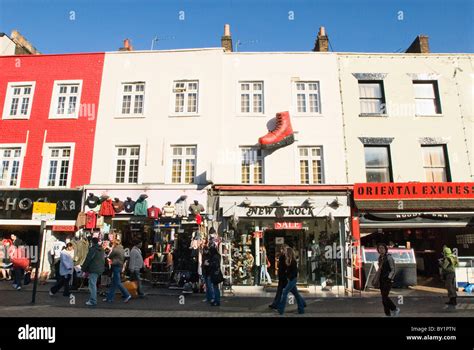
<point x="261" y="25"/>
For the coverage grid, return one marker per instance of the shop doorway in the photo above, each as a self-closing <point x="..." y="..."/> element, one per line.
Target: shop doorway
<point x="274" y="240"/>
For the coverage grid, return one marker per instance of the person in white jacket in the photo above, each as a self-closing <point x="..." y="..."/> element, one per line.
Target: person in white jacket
<point x="66" y="267"/>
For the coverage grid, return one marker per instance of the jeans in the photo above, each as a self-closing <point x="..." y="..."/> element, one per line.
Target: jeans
<point x="216" y="293"/>
<point x="282" y="282"/>
<point x="62" y="282"/>
<point x="388" y="305"/>
<point x="450" y="284"/>
<point x="209" y="289"/>
<point x="93" y="288"/>
<point x="135" y="276"/>
<point x="116" y="283"/>
<point x="264" y="275"/>
<point x="291" y="287"/>
<point x="17" y="276"/>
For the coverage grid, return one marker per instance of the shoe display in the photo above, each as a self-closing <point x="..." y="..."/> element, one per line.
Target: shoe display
<point x="282" y="135"/>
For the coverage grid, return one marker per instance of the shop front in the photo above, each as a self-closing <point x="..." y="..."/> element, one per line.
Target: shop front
<point x="416" y="220"/>
<point x="17" y="217"/>
<point x="256" y="221"/>
<point x="166" y="219"/>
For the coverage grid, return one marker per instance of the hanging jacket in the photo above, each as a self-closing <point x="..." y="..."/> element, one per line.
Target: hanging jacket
<point x="92" y="201"/>
<point x="81" y="220"/>
<point x="181" y="208"/>
<point x="80" y="251"/>
<point x="129" y="205"/>
<point x="141" y="207"/>
<point x="169" y="211"/>
<point x="107" y="208"/>
<point x="91" y="220"/>
<point x="118" y="206"/>
<point x="153" y="212"/>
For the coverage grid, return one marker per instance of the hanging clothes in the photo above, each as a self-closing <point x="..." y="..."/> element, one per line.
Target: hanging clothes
<point x="81" y="220"/>
<point x="153" y="212"/>
<point x="118" y="205"/>
<point x="106" y="208"/>
<point x="196" y="208"/>
<point x="198" y="219"/>
<point x="169" y="211"/>
<point x="141" y="207"/>
<point x="92" y="201"/>
<point x="100" y="222"/>
<point x="181" y="208"/>
<point x="91" y="220"/>
<point x="129" y="205"/>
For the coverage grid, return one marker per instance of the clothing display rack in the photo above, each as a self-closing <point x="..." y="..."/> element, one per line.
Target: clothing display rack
<point x="225" y="250"/>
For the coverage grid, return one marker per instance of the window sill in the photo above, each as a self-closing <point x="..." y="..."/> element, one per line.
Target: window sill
<point x="130" y="116"/>
<point x="429" y="115"/>
<point x="16" y="118"/>
<point x="308" y="115"/>
<point x="251" y="115"/>
<point x="183" y="115"/>
<point x="373" y="115"/>
<point x="61" y="118"/>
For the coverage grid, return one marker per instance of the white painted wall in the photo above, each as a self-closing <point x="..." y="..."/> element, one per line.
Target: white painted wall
<point x="455" y="124"/>
<point x="7" y="46"/>
<point x="218" y="131"/>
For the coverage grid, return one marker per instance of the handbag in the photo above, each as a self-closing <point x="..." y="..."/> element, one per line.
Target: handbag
<point x="217" y="278"/>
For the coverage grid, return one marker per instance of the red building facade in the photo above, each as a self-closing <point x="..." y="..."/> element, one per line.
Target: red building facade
<point x="49" y="106"/>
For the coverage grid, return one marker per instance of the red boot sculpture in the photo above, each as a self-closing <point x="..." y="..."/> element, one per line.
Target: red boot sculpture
<point x="281" y="136"/>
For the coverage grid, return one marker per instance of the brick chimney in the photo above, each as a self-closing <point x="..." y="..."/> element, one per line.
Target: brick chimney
<point x="226" y="40"/>
<point x="322" y="41"/>
<point x="23" y="46"/>
<point x="419" y="45"/>
<point x="127" y="46"/>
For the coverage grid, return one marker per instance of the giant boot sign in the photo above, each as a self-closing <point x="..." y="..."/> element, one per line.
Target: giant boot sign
<point x="281" y="136"/>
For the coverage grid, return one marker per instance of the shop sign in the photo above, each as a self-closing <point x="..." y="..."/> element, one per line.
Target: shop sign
<point x="18" y="204"/>
<point x="64" y="228"/>
<point x="44" y="211"/>
<point x="418" y="190"/>
<point x="280" y="212"/>
<point x="288" y="226"/>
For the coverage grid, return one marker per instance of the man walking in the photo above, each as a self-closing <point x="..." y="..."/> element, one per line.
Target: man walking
<point x="448" y="264"/>
<point x="282" y="278"/>
<point x="135" y="265"/>
<point x="95" y="266"/>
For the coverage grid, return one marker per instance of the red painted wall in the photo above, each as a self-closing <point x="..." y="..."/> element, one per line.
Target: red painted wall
<point x="45" y="69"/>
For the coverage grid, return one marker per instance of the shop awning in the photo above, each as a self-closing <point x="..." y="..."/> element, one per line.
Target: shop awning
<point x="416" y="219"/>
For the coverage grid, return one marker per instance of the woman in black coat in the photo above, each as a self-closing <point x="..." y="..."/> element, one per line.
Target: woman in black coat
<point x="216" y="275"/>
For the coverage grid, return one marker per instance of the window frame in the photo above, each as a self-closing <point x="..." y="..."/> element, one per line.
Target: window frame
<point x="183" y="164"/>
<point x="174" y="93"/>
<point x="261" y="158"/>
<point x="250" y="113"/>
<point x="55" y="95"/>
<point x="116" y="158"/>
<point x="390" y="166"/>
<point x="9" y="97"/>
<point x="446" y="160"/>
<point x="383" y="98"/>
<point x="295" y="93"/>
<point x="120" y="97"/>
<point x="22" y="148"/>
<point x="45" y="163"/>
<point x="310" y="169"/>
<point x="437" y="98"/>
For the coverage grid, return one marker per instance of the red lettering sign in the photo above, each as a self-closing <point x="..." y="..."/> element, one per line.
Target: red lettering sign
<point x="64" y="228"/>
<point x="288" y="226"/>
<point x="415" y="190"/>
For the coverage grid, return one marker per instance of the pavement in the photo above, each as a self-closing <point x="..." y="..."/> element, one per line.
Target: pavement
<point x="161" y="302"/>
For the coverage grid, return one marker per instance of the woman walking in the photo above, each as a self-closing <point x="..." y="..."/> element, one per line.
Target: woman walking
<point x="216" y="275"/>
<point x="384" y="279"/>
<point x="66" y="267"/>
<point x="282" y="279"/>
<point x="292" y="276"/>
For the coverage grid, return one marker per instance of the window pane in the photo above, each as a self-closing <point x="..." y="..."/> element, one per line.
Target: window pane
<point x="14" y="173"/>
<point x="74" y="89"/>
<point x="376" y="157"/>
<point x="189" y="175"/>
<point x="301" y="103"/>
<point x="303" y="151"/>
<point x="133" y="171"/>
<point x="370" y="90"/>
<point x="14" y="106"/>
<point x="313" y="103"/>
<point x="378" y="175"/>
<point x="192" y="103"/>
<point x="192" y="86"/>
<point x="120" y="172"/>
<point x="126" y="104"/>
<point x="177" y="151"/>
<point x="426" y="107"/>
<point x="53" y="168"/>
<point x="424" y="90"/>
<point x="24" y="106"/>
<point x="257" y="86"/>
<point x="61" y="103"/>
<point x="433" y="156"/>
<point x="245" y="87"/>
<point x="300" y="86"/>
<point x="138" y="107"/>
<point x="258" y="103"/>
<point x="190" y="151"/>
<point x="176" y="171"/>
<point x="62" y="89"/>
<point x="179" y="104"/>
<point x="258" y="173"/>
<point x="304" y="172"/>
<point x="317" y="171"/>
<point x="435" y="174"/>
<point x="72" y="104"/>
<point x="245" y="172"/>
<point x="245" y="103"/>
<point x="63" y="175"/>
<point x="127" y="88"/>
<point x="369" y="106"/>
<point x="134" y="151"/>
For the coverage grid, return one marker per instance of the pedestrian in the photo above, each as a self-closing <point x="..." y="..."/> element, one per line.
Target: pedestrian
<point x="216" y="275"/>
<point x="16" y="241"/>
<point x="282" y="279"/>
<point x="94" y="265"/>
<point x="20" y="263"/>
<point x="448" y="263"/>
<point x="135" y="264"/>
<point x="206" y="274"/>
<point x="265" y="264"/>
<point x="117" y="257"/>
<point x="292" y="276"/>
<point x="66" y="268"/>
<point x="384" y="279"/>
<point x="6" y="262"/>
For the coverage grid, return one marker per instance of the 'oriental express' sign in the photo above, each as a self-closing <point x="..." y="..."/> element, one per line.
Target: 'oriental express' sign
<point x="420" y="190"/>
<point x="288" y="226"/>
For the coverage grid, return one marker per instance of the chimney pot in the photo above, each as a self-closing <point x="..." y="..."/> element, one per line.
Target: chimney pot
<point x="227" y="30"/>
<point x="322" y="31"/>
<point x="322" y="41"/>
<point x="226" y="39"/>
<point x="127" y="46"/>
